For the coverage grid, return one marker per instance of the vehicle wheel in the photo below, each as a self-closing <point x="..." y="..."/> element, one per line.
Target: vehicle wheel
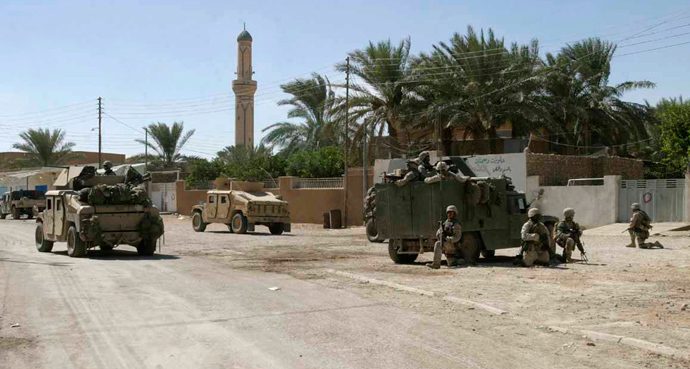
<point x="488" y="254"/>
<point x="400" y="258"/>
<point x="106" y="248"/>
<point x="16" y="214"/>
<point x="3" y="216"/>
<point x="198" y="222"/>
<point x="42" y="245"/>
<point x="372" y="232"/>
<point x="76" y="248"/>
<point x="146" y="247"/>
<point x="230" y="228"/>
<point x="276" y="229"/>
<point x="239" y="223"/>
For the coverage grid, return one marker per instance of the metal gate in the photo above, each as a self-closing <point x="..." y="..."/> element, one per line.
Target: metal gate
<point x="662" y="199"/>
<point x="163" y="196"/>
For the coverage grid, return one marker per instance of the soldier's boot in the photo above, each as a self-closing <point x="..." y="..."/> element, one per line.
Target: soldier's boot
<point x="658" y="244"/>
<point x="438" y="251"/>
<point x="632" y="240"/>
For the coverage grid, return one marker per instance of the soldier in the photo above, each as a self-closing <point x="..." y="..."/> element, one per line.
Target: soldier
<point x="535" y="240"/>
<point x="443" y="174"/>
<point x="568" y="235"/>
<point x="448" y="236"/>
<point x="108" y="168"/>
<point x="640" y="224"/>
<point x="412" y="174"/>
<point x="425" y="167"/>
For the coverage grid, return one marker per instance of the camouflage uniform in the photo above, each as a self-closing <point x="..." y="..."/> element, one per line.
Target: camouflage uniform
<point x="412" y="175"/>
<point x="443" y="174"/>
<point x="639" y="227"/>
<point x="566" y="233"/>
<point x="447" y="246"/>
<point x="425" y="167"/>
<point x="535" y="238"/>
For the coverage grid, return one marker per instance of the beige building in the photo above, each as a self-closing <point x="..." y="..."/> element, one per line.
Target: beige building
<point x="244" y="87"/>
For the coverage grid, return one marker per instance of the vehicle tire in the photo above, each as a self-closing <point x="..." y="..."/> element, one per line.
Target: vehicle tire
<point x="230" y="228"/>
<point x="238" y="223"/>
<point x="146" y="247"/>
<point x="488" y="254"/>
<point x="372" y="232"/>
<point x="76" y="248"/>
<point x="276" y="229"/>
<point x="42" y="245"/>
<point x="400" y="258"/>
<point x="3" y="216"/>
<point x="16" y="214"/>
<point x="106" y="248"/>
<point x="198" y="222"/>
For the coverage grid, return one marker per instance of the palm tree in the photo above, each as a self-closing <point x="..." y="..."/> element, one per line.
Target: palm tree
<point x="476" y="84"/>
<point x="383" y="100"/>
<point x="44" y="148"/>
<point x="584" y="106"/>
<point x="313" y="100"/>
<point x="167" y="142"/>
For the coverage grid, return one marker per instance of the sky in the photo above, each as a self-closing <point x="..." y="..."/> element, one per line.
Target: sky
<point x="165" y="61"/>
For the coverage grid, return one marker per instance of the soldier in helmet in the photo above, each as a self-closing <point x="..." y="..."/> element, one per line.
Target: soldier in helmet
<point x="448" y="236"/>
<point x="640" y="224"/>
<point x="108" y="168"/>
<point x="444" y="174"/>
<point x="413" y="173"/>
<point x="535" y="240"/>
<point x="425" y="167"/>
<point x="568" y="235"/>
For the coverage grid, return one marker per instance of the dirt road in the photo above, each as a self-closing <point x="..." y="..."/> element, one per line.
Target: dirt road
<point x="207" y="301"/>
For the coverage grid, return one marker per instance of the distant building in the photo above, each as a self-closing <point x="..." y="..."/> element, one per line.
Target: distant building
<point x="244" y="87"/>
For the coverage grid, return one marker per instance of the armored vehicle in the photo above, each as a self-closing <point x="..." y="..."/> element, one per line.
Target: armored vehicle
<point x="21" y="202"/>
<point x="242" y="211"/>
<point x="99" y="211"/>
<point x="490" y="210"/>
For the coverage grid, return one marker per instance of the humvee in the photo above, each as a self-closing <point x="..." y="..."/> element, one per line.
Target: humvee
<point x="242" y="210"/>
<point x="84" y="221"/>
<point x="21" y="202"/>
<point x="408" y="216"/>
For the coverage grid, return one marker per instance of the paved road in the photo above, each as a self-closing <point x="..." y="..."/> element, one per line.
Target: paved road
<point x="124" y="311"/>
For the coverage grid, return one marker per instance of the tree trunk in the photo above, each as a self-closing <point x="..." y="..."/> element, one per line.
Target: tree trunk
<point x="493" y="137"/>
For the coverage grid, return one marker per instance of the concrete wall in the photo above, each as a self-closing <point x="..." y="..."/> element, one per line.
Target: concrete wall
<point x="594" y="205"/>
<point x="306" y="205"/>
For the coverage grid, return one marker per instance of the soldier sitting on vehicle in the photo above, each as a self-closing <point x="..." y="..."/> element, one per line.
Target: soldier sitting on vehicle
<point x="108" y="168"/>
<point x="425" y="167"/>
<point x="568" y="235"/>
<point x="640" y="224"/>
<point x="444" y="174"/>
<point x="448" y="236"/>
<point x="535" y="240"/>
<point x="413" y="173"/>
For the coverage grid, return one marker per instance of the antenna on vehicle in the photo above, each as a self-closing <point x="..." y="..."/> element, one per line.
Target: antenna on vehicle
<point x="269" y="174"/>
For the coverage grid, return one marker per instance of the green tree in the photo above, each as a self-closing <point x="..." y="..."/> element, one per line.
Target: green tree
<point x="251" y="163"/>
<point x="202" y="171"/>
<point x="674" y="117"/>
<point x="312" y="101"/>
<point x="322" y="163"/>
<point x="44" y="148"/>
<point x="167" y="142"/>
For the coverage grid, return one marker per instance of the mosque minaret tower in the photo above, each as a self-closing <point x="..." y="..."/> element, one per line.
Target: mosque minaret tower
<point x="244" y="87"/>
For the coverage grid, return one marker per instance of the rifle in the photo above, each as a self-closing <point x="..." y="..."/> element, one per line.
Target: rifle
<point x="575" y="234"/>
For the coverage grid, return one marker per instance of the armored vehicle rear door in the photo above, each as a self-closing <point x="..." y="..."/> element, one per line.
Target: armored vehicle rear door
<point x="223" y="206"/>
<point x="399" y="211"/>
<point x="211" y="207"/>
<point x="59" y="215"/>
<point x="48" y="215"/>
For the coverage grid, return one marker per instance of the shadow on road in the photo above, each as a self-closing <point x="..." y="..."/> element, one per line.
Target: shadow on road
<point x="121" y="255"/>
<point x="5" y="260"/>
<point x="254" y="234"/>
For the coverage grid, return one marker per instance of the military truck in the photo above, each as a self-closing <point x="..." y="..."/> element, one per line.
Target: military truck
<point x="21" y="202"/>
<point x="242" y="210"/>
<point x="491" y="212"/>
<point x="98" y="211"/>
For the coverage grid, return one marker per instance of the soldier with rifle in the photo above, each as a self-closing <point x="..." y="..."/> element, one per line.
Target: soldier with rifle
<point x="640" y="224"/>
<point x="448" y="235"/>
<point x="425" y="167"/>
<point x="568" y="236"/>
<point x="413" y="173"/>
<point x="536" y="248"/>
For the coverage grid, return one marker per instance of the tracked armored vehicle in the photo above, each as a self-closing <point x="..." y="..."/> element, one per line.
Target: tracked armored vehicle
<point x="98" y="211"/>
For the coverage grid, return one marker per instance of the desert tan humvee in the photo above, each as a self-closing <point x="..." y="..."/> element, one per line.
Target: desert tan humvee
<point x="242" y="210"/>
<point x="21" y="202"/>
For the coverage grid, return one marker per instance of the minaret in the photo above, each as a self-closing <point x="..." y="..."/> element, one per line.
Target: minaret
<point x="244" y="88"/>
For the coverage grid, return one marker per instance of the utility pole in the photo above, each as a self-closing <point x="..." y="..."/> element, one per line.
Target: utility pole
<point x="364" y="163"/>
<point x="100" y="162"/>
<point x="347" y="124"/>
<point x="146" y="151"/>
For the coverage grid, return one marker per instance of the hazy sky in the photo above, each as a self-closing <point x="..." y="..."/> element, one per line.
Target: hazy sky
<point x="175" y="60"/>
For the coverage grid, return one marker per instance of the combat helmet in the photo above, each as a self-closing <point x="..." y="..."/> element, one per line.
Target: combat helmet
<point x="107" y="164"/>
<point x="569" y="212"/>
<point x="423" y="155"/>
<point x="452" y="208"/>
<point x="532" y="212"/>
<point x="441" y="166"/>
<point x="635" y="206"/>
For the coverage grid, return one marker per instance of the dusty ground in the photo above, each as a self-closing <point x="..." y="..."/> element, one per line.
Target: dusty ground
<point x="207" y="304"/>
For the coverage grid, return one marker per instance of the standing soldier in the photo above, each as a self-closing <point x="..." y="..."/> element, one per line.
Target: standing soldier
<point x="108" y="167"/>
<point x="412" y="173"/>
<point x="535" y="240"/>
<point x="448" y="236"/>
<point x="568" y="235"/>
<point x="640" y="224"/>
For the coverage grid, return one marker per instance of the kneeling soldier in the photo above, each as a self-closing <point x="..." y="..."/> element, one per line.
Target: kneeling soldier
<point x="568" y="235"/>
<point x="535" y="240"/>
<point x="639" y="227"/>
<point x="448" y="236"/>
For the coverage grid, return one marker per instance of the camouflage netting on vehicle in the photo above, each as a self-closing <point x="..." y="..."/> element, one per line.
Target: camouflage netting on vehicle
<point x="484" y="192"/>
<point x="473" y="193"/>
<point x="118" y="194"/>
<point x="151" y="226"/>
